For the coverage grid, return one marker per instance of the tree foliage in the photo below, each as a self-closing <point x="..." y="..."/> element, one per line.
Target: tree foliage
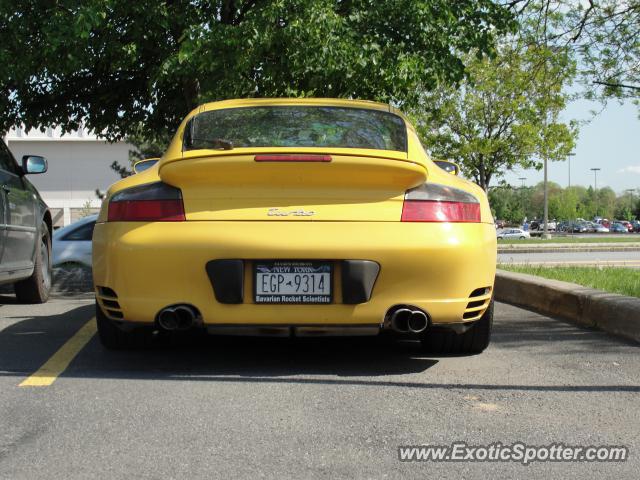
<point x="506" y="114"/>
<point x="117" y="64"/>
<point x="514" y="204"/>
<point x="602" y="35"/>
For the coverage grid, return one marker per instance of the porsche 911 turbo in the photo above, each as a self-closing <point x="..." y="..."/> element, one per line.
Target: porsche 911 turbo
<point x="296" y="217"/>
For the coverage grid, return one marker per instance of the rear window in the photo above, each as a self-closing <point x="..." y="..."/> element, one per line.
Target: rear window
<point x="296" y="126"/>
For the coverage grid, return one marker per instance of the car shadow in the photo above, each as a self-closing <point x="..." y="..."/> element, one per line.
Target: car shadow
<point x="27" y="344"/>
<point x="373" y="361"/>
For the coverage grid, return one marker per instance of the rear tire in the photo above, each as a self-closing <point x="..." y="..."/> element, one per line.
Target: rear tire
<point x="473" y="341"/>
<point x="113" y="338"/>
<point x="37" y="287"/>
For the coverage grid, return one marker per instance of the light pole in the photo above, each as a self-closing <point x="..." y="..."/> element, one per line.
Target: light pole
<point x="545" y="231"/>
<point x="630" y="192"/>
<point x="522" y="179"/>
<point x="595" y="186"/>
<point x="572" y="154"/>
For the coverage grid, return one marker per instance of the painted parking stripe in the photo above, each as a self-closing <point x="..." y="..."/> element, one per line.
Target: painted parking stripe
<point x="59" y="361"/>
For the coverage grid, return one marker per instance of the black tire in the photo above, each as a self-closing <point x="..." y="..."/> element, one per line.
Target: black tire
<point x="113" y="338"/>
<point x="37" y="287"/>
<point x="447" y="342"/>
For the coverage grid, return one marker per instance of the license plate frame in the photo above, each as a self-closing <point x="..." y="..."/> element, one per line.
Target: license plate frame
<point x="292" y="267"/>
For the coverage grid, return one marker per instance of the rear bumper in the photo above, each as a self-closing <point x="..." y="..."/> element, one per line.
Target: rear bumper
<point x="434" y="267"/>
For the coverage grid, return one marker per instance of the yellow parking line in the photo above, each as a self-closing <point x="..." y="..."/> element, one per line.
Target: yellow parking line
<point x="60" y="360"/>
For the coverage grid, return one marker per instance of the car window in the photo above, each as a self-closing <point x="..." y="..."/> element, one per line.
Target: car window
<point x="82" y="233"/>
<point x="296" y="126"/>
<point x="6" y="160"/>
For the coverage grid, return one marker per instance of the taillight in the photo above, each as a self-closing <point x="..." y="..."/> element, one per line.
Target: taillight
<point x="153" y="202"/>
<point x="432" y="202"/>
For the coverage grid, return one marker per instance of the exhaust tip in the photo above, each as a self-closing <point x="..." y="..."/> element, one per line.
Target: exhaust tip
<point x="400" y="320"/>
<point x="185" y="316"/>
<point x="407" y="319"/>
<point x="177" y="317"/>
<point x="168" y="319"/>
<point x="417" y="322"/>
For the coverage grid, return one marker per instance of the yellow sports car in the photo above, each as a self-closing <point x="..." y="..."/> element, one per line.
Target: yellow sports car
<point x="300" y="217"/>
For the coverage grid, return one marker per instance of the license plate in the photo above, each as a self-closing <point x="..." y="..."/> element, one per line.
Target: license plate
<point x="293" y="282"/>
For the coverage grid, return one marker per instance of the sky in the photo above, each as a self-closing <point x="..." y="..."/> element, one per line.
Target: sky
<point x="611" y="142"/>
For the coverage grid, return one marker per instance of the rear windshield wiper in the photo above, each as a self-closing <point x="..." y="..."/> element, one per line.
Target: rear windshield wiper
<point x="214" y="142"/>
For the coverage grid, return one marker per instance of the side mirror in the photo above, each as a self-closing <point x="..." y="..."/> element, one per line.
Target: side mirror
<point x="450" y="167"/>
<point x="146" y="164"/>
<point x="32" y="164"/>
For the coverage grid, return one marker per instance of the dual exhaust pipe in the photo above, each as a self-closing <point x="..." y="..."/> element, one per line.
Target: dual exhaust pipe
<point x="177" y="317"/>
<point x="409" y="320"/>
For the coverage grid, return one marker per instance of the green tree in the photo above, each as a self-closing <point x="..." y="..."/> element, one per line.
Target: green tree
<point x="118" y="64"/>
<point x="506" y="204"/>
<point x="603" y="35"/>
<point x="505" y="116"/>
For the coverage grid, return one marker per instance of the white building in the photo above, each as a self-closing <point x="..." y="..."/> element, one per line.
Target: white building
<point x="79" y="163"/>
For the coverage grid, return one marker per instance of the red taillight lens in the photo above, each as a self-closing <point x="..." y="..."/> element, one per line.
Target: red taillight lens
<point x="429" y="211"/>
<point x="146" y="211"/>
<point x="154" y="202"/>
<point x="440" y="203"/>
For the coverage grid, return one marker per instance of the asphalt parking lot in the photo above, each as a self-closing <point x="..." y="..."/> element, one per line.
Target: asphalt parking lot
<point x="237" y="408"/>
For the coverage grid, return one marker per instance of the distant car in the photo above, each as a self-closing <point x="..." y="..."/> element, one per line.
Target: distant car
<point x="599" y="228"/>
<point x="578" y="228"/>
<point x="627" y="225"/>
<point x="618" y="228"/>
<point x="636" y="225"/>
<point x="537" y="225"/>
<point x="517" y="233"/>
<point x="25" y="229"/>
<point x="72" y="244"/>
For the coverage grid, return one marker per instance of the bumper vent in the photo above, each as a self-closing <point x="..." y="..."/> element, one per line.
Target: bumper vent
<point x="108" y="301"/>
<point x="478" y="303"/>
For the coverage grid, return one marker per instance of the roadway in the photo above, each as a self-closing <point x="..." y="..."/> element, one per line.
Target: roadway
<point x="616" y="259"/>
<point x="238" y="408"/>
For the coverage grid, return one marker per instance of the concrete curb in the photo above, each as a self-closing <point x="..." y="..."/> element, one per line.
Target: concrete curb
<point x="613" y="313"/>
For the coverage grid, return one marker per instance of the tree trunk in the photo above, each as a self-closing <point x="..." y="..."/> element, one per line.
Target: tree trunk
<point x="191" y="93"/>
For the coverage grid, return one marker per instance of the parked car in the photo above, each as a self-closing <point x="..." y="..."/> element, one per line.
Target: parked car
<point x="72" y="244"/>
<point x="513" y="233"/>
<point x="25" y="236"/>
<point x="599" y="228"/>
<point x="618" y="228"/>
<point x="233" y="231"/>
<point x="636" y="225"/>
<point x="627" y="225"/>
<point x="606" y="223"/>
<point x="537" y="225"/>
<point x="573" y="227"/>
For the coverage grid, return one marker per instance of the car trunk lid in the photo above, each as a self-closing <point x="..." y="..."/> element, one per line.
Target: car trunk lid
<point x="279" y="184"/>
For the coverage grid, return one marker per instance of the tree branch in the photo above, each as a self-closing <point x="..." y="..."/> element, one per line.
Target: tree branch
<point x="617" y="85"/>
<point x="583" y="21"/>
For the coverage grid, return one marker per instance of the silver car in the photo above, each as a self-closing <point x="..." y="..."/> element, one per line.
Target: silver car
<point x="72" y="244"/>
<point x="516" y="233"/>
